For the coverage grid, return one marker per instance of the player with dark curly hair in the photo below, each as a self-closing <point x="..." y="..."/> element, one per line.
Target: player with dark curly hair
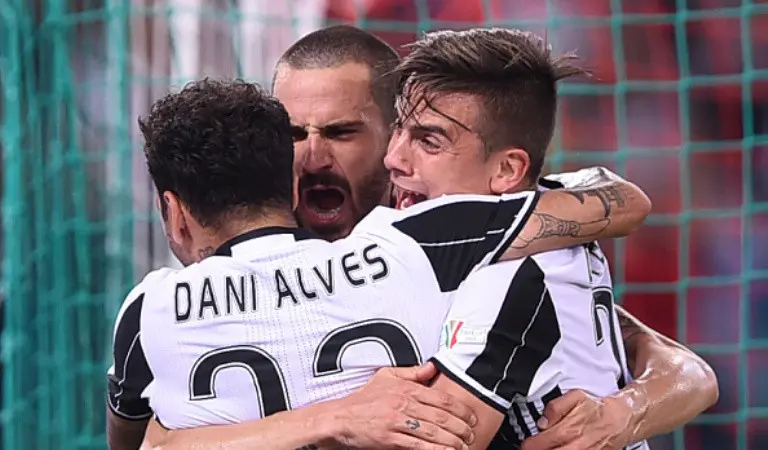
<point x="265" y="309"/>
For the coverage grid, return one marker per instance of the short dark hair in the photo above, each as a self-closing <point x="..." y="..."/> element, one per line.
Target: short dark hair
<point x="224" y="147"/>
<point x="512" y="73"/>
<point x="340" y="44"/>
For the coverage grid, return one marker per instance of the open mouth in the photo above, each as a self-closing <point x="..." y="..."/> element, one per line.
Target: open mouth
<point x="326" y="202"/>
<point x="406" y="199"/>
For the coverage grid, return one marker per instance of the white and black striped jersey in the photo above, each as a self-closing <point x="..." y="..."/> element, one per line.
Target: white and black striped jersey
<point x="278" y="319"/>
<point x="521" y="333"/>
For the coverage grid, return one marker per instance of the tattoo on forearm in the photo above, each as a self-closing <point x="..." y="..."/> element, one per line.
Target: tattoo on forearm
<point x="608" y="196"/>
<point x="552" y="226"/>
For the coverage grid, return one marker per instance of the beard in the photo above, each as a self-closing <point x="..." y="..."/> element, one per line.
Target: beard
<point x="371" y="191"/>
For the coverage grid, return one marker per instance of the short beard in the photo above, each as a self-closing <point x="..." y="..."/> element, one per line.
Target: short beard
<point x="373" y="191"/>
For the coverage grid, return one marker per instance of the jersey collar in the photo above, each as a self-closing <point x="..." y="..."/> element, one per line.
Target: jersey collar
<point x="299" y="234"/>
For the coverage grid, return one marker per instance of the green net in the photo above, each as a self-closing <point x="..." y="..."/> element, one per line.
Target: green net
<point x="679" y="104"/>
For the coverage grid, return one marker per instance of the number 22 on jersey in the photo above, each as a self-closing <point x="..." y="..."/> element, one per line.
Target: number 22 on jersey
<point x="268" y="381"/>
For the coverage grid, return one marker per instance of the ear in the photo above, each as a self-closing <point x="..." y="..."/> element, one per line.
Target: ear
<point x="176" y="222"/>
<point x="509" y="170"/>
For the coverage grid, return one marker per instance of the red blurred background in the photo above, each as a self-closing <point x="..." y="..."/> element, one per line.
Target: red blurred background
<point x="678" y="104"/>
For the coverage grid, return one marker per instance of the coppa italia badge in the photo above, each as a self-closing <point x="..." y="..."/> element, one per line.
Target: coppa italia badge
<point x="457" y="332"/>
<point x="450" y="333"/>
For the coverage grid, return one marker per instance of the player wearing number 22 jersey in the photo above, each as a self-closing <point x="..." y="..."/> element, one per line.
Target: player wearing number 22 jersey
<point x="290" y="319"/>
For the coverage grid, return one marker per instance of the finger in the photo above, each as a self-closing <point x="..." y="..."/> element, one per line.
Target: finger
<point x="420" y="374"/>
<point x="444" y="401"/>
<point x="539" y="442"/>
<point x="559" y="408"/>
<point x="441" y="419"/>
<point x="547" y="440"/>
<point x="408" y="442"/>
<point x="429" y="433"/>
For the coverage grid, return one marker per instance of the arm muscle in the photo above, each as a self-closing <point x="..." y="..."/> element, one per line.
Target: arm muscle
<point x="672" y="384"/>
<point x="282" y="431"/>
<point x="124" y="434"/>
<point x="489" y="419"/>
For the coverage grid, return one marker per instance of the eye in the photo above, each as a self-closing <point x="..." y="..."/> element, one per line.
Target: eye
<point x="339" y="133"/>
<point x="299" y="134"/>
<point x="429" y="144"/>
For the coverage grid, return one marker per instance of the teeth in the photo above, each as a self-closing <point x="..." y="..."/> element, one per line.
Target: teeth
<point x="329" y="214"/>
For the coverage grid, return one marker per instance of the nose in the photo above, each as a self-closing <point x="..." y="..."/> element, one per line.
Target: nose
<point x="317" y="154"/>
<point x="398" y="160"/>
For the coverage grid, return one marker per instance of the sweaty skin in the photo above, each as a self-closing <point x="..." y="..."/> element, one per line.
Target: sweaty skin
<point x="672" y="385"/>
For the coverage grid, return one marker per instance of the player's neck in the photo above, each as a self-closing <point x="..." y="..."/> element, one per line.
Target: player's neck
<point x="236" y="227"/>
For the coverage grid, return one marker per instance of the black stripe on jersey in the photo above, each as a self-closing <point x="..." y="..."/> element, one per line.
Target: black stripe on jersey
<point x="533" y="411"/>
<point x="522" y="338"/>
<point x="298" y="234"/>
<point x="457" y="236"/>
<point x="550" y="184"/>
<point x="517" y="413"/>
<point x="131" y="375"/>
<point x="551" y="395"/>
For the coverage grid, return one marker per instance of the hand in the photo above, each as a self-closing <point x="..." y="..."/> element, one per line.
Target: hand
<point x="394" y="410"/>
<point x="578" y="420"/>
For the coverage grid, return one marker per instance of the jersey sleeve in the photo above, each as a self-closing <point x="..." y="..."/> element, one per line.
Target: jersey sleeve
<point x="461" y="233"/>
<point x="129" y="374"/>
<point x="500" y="335"/>
<point x="569" y="180"/>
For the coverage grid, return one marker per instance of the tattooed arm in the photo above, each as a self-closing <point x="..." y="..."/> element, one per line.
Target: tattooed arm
<point x="593" y="204"/>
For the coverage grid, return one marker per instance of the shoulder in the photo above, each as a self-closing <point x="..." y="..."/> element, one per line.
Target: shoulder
<point x="161" y="285"/>
<point x="492" y="275"/>
<point x="163" y="279"/>
<point x="380" y="217"/>
<point x="486" y="286"/>
<point x="567" y="265"/>
<point x="131" y="307"/>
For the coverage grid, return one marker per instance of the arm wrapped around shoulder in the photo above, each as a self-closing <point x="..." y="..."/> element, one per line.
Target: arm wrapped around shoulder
<point x="581" y="207"/>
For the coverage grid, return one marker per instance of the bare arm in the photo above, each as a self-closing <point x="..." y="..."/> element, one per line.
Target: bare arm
<point x="283" y="431"/>
<point x="594" y="204"/>
<point x="124" y="434"/>
<point x="379" y="415"/>
<point x="672" y="384"/>
<point x="488" y="419"/>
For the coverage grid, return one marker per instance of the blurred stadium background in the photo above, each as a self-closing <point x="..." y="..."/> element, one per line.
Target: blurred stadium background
<point x="679" y="105"/>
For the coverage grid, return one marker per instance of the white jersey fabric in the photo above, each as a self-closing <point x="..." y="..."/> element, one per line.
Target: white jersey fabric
<point x="522" y="333"/>
<point x="278" y="319"/>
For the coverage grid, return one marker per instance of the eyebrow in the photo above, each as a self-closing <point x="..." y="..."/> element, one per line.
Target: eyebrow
<point x="338" y="124"/>
<point x="344" y="124"/>
<point x="432" y="129"/>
